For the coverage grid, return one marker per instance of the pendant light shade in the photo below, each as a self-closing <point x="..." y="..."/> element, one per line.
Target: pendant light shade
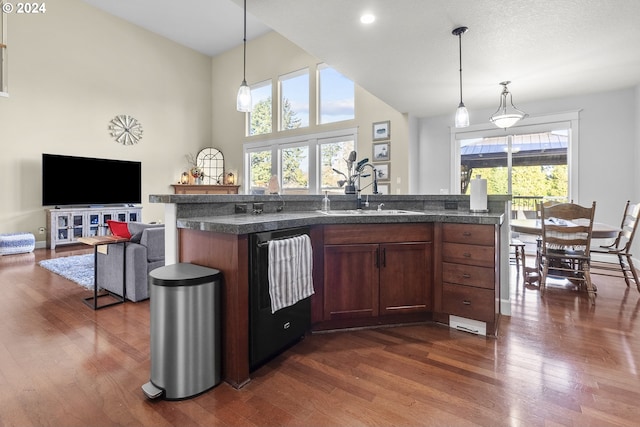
<point x="244" y="98"/>
<point x="243" y="102"/>
<point x="507" y="114"/>
<point x="462" y="115"/>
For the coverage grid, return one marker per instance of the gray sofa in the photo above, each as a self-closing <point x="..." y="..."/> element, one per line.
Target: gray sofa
<point x="143" y="253"/>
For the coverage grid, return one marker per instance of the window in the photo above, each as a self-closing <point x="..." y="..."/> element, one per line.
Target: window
<point x="305" y="163"/>
<point x="259" y="171"/>
<point x="336" y="96"/>
<point x="260" y="115"/>
<point x="294" y="100"/>
<point x="295" y="169"/>
<point x="532" y="162"/>
<point x="333" y="152"/>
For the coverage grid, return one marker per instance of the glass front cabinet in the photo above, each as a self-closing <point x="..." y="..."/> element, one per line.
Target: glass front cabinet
<point x="65" y="226"/>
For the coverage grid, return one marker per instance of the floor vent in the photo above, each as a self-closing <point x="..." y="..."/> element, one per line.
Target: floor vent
<point x="468" y="325"/>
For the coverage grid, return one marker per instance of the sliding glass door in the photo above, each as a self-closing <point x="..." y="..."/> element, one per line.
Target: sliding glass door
<point x="532" y="167"/>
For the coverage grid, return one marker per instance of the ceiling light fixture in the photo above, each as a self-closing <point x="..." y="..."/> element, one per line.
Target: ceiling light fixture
<point x="367" y="18"/>
<point x="462" y="115"/>
<point x="503" y="118"/>
<point x="244" y="93"/>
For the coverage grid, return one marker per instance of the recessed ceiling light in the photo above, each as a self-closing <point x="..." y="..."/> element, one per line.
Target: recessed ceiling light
<point x="367" y="18"/>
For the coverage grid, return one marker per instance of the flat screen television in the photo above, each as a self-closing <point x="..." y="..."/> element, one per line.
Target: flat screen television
<point x="86" y="181"/>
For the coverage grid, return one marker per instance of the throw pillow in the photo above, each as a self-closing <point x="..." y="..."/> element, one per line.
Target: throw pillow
<point x="119" y="228"/>
<point x="135" y="238"/>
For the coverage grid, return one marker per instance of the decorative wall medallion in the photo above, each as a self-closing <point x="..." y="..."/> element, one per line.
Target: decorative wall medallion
<point x="125" y="129"/>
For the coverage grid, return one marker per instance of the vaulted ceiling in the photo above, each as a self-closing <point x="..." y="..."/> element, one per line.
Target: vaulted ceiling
<point x="408" y="56"/>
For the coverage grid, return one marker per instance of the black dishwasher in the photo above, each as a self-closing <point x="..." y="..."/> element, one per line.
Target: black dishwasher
<point x="270" y="334"/>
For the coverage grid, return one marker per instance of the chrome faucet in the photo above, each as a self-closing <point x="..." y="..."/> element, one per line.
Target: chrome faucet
<point x="380" y="207"/>
<point x="361" y="165"/>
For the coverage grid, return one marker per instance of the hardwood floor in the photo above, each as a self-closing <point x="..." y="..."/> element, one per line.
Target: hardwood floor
<point x="557" y="361"/>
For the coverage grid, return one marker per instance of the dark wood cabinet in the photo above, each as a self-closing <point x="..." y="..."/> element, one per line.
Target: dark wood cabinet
<point x="405" y="277"/>
<point x="351" y="281"/>
<point x="467" y="282"/>
<point x="377" y="270"/>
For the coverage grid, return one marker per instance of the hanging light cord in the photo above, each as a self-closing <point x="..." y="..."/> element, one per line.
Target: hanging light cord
<point x="244" y="42"/>
<point x="460" y="51"/>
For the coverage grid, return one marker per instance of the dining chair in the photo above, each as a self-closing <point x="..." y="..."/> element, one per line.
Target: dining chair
<point x="519" y="255"/>
<point x="621" y="248"/>
<point x="538" y="263"/>
<point x="566" y="244"/>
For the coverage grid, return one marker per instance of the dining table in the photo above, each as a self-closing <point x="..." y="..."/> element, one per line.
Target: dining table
<point x="534" y="226"/>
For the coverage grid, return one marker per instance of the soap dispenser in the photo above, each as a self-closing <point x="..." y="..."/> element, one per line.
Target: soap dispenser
<point x="326" y="203"/>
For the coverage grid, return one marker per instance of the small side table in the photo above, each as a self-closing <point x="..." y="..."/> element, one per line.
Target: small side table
<point x="96" y="241"/>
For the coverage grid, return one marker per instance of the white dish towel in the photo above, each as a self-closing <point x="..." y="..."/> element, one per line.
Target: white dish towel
<point x="290" y="271"/>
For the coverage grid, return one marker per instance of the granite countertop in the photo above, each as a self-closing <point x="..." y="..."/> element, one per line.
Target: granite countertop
<point x="253" y="223"/>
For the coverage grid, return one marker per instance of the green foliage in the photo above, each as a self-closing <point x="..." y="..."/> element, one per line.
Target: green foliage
<point x="289" y="119"/>
<point x="261" y="162"/>
<point x="544" y="181"/>
<point x="261" y="118"/>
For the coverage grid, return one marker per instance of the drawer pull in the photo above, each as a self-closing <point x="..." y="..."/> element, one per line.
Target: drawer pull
<point x="465" y="302"/>
<point x="466" y="234"/>
<point x="466" y="255"/>
<point x="466" y="276"/>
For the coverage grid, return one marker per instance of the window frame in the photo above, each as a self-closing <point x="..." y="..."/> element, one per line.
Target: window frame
<point x="288" y="76"/>
<point x="313" y="141"/>
<point x="319" y="69"/>
<point x="257" y="86"/>
<point x="543" y="123"/>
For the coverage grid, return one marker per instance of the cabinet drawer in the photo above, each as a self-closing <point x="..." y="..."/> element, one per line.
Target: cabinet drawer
<point x="474" y="234"/>
<point x="459" y="253"/>
<point x="482" y="277"/>
<point x="469" y="302"/>
<point x="346" y="234"/>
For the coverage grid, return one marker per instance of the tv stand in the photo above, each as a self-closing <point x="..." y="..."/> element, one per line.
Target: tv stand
<point x="65" y="225"/>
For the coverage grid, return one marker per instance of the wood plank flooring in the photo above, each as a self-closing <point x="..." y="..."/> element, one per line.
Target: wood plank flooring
<point x="557" y="361"/>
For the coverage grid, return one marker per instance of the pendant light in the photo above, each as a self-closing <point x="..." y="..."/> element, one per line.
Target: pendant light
<point x="503" y="118"/>
<point x="462" y="115"/>
<point x="244" y="93"/>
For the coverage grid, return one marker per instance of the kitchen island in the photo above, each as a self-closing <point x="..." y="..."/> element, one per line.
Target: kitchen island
<point x="427" y="264"/>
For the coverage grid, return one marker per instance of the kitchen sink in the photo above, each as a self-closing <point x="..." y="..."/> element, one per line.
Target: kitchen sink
<point x="372" y="212"/>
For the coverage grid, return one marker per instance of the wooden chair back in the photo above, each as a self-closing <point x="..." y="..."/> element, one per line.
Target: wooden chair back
<point x="567" y="226"/>
<point x="628" y="227"/>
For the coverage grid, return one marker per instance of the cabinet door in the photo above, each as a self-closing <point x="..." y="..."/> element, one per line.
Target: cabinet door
<point x="405" y="278"/>
<point x="350" y="281"/>
<point x="94" y="220"/>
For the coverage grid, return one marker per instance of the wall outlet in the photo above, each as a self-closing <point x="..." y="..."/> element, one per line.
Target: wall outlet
<point x="241" y="208"/>
<point x="41" y="230"/>
<point x="258" y="208"/>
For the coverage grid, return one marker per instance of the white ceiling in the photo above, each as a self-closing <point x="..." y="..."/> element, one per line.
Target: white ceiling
<point x="409" y="58"/>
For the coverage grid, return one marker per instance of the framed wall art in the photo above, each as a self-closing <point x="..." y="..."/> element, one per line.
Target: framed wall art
<point x="382" y="170"/>
<point x="381" y="152"/>
<point x="383" y="188"/>
<point x="381" y="130"/>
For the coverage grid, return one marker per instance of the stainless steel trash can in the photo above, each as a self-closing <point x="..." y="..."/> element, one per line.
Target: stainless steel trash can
<point x="185" y="331"/>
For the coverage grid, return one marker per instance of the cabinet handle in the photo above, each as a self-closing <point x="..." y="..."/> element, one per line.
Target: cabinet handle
<point x="465" y="302"/>
<point x="466" y="234"/>
<point x="466" y="276"/>
<point x="466" y="255"/>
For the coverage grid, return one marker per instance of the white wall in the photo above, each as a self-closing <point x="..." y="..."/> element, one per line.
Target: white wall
<point x="608" y="148"/>
<point x="71" y="70"/>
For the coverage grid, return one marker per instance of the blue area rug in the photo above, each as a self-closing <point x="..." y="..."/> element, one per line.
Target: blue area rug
<point x="77" y="268"/>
